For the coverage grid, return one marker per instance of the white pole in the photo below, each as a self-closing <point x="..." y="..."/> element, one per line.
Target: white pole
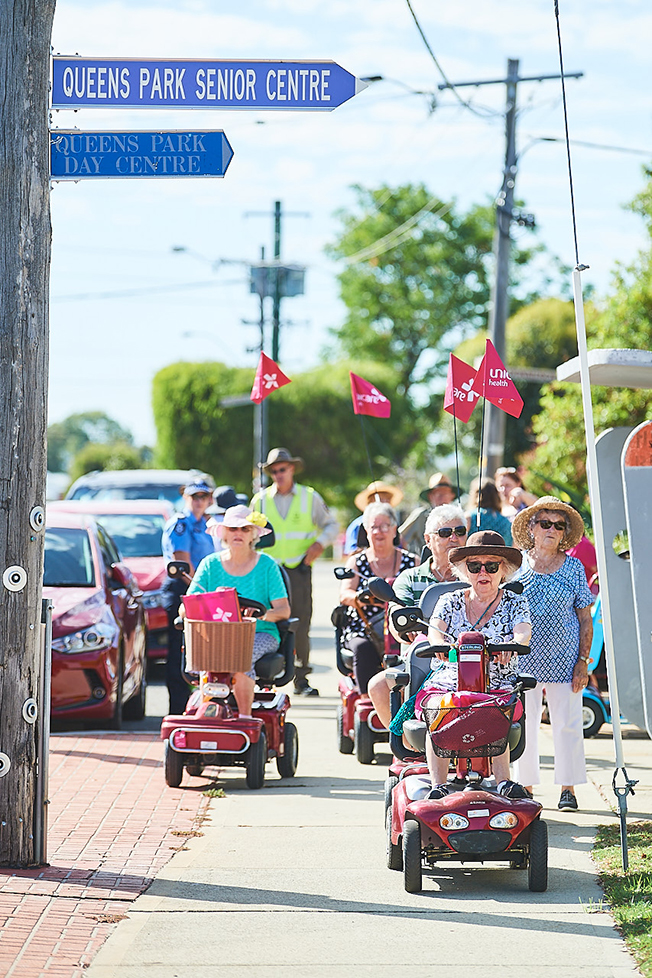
<point x="596" y="510"/>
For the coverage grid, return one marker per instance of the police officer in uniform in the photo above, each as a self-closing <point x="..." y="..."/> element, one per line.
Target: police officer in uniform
<point x="184" y="538"/>
<point x="304" y="527"/>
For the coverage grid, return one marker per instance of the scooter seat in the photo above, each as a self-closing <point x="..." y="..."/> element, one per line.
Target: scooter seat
<point x="270" y="665"/>
<point x="414" y="732"/>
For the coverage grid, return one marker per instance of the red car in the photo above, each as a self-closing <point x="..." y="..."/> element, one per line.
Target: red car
<point x="135" y="526"/>
<point x="98" y="624"/>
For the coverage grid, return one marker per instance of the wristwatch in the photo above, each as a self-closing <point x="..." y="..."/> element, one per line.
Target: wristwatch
<point x="584" y="658"/>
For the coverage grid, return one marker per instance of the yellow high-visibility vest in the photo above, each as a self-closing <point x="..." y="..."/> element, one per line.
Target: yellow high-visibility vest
<point x="296" y="532"/>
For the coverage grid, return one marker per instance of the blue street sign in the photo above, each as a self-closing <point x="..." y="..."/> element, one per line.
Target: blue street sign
<point x="76" y="155"/>
<point x="157" y="84"/>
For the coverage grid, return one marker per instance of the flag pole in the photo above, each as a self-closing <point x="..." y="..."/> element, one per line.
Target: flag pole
<point x="366" y="447"/>
<point x="457" y="457"/>
<point x="480" y="460"/>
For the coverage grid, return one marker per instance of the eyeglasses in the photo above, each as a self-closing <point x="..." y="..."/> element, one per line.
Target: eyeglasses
<point x="381" y="527"/>
<point x="447" y="531"/>
<point x="278" y="470"/>
<point x="491" y="566"/>
<point x="546" y="524"/>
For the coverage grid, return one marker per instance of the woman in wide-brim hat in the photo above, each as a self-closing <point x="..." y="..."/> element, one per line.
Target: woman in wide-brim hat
<point x="560" y="604"/>
<point x="502" y="616"/>
<point x="378" y="492"/>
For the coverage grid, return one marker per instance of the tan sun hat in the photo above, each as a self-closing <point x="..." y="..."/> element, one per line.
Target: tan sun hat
<point x="437" y="481"/>
<point x="486" y="543"/>
<point x="521" y="530"/>
<point x="368" y="495"/>
<point x="277" y="455"/>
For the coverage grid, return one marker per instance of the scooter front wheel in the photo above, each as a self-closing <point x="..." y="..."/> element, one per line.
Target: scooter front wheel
<point x="287" y="765"/>
<point x="344" y="743"/>
<point x="256" y="760"/>
<point x="537" y="875"/>
<point x="412" y="856"/>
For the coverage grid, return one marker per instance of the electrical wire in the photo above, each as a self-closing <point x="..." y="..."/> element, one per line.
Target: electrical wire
<point x="568" y="152"/>
<point x="148" y="290"/>
<point x="467" y="105"/>
<point x="398" y="234"/>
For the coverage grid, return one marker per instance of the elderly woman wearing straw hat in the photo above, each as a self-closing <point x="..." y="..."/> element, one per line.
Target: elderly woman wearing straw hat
<point x="502" y="616"/>
<point x="254" y="575"/>
<point x="375" y="492"/>
<point x="560" y="600"/>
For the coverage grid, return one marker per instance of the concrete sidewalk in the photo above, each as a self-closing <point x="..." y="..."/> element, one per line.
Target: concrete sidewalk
<point x="291" y="880"/>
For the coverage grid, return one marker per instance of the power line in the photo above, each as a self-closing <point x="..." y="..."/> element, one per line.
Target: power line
<point x="467" y="105"/>
<point x="148" y="290"/>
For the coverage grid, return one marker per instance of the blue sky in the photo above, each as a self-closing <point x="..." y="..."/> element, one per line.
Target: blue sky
<point x="117" y="236"/>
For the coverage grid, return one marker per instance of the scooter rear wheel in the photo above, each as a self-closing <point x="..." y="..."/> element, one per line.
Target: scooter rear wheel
<point x="173" y="766"/>
<point x="256" y="760"/>
<point x="287" y="765"/>
<point x="364" y="741"/>
<point x="537" y="870"/>
<point x="390" y="784"/>
<point x="592" y="718"/>
<point x="412" y="856"/>
<point x="344" y="743"/>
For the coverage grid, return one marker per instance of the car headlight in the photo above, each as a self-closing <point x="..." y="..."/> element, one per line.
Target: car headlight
<point x="92" y="639"/>
<point x="503" y="820"/>
<point x="452" y="821"/>
<point x="152" y="599"/>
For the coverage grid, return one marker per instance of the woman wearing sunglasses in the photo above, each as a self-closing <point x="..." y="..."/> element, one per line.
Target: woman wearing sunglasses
<point x="484" y="563"/>
<point x="562" y="629"/>
<point x="445" y="530"/>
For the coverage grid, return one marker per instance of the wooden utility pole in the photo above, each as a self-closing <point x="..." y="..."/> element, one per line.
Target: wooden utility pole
<point x="25" y="32"/>
<point x="495" y="420"/>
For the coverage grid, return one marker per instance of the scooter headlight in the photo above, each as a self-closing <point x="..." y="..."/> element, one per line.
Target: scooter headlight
<point x="218" y="690"/>
<point x="504" y="820"/>
<point x="451" y="821"/>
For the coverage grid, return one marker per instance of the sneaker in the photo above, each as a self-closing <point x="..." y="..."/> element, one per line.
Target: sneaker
<point x="305" y="690"/>
<point x="439" y="791"/>
<point x="512" y="789"/>
<point x="567" y="802"/>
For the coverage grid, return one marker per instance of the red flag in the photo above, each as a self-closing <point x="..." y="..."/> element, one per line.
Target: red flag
<point x="367" y="399"/>
<point x="269" y="377"/>
<point x="460" y="398"/>
<point x="494" y="383"/>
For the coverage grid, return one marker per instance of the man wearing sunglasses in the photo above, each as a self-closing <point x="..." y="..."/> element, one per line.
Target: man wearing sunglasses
<point x="304" y="527"/>
<point x="445" y="530"/>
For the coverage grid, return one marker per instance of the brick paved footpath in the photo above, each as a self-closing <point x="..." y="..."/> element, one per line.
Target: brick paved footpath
<point x="113" y="825"/>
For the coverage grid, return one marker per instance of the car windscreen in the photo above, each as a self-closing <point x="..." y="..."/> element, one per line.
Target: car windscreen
<point x="68" y="558"/>
<point x="134" y="534"/>
<point x="165" y="493"/>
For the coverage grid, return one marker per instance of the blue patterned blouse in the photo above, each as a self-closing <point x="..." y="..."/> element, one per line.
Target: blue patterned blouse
<point x="553" y="600"/>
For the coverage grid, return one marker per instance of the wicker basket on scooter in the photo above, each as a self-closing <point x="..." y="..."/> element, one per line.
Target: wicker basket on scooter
<point x="219" y="646"/>
<point x="480" y="730"/>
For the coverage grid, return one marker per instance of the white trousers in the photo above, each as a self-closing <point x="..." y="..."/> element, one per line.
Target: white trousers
<point x="565" y="708"/>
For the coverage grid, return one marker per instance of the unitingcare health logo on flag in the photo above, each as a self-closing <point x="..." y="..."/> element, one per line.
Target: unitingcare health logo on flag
<point x="367" y="399"/>
<point x="493" y="382"/>
<point x="269" y="378"/>
<point x="460" y="397"/>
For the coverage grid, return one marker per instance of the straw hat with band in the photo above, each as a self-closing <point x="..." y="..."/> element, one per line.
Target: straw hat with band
<point x="243" y="516"/>
<point x="438" y="481"/>
<point x="277" y="455"/>
<point x="368" y="495"/>
<point x="522" y="534"/>
<point x="486" y="543"/>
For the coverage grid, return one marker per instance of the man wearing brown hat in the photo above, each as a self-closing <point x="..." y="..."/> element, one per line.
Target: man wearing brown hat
<point x="440" y="490"/>
<point x="304" y="527"/>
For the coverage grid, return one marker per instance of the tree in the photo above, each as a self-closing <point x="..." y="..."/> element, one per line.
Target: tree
<point x="97" y="456"/>
<point x="417" y="278"/>
<point x="67" y="438"/>
<point x="312" y="416"/>
<point x="622" y="322"/>
<point x="25" y="32"/>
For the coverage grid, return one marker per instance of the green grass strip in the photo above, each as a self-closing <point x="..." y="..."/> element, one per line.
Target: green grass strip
<point x="629" y="894"/>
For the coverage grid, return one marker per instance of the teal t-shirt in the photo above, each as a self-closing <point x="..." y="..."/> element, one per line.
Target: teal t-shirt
<point x="264" y="583"/>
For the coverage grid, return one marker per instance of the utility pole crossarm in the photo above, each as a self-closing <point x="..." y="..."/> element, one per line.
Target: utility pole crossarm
<point x="504" y="81"/>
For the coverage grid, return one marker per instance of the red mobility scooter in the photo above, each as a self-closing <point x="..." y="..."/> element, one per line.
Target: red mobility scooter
<point x="359" y="728"/>
<point x="211" y="732"/>
<point x="474" y="823"/>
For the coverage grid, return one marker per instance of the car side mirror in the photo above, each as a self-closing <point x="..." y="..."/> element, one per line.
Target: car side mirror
<point x="120" y="576"/>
